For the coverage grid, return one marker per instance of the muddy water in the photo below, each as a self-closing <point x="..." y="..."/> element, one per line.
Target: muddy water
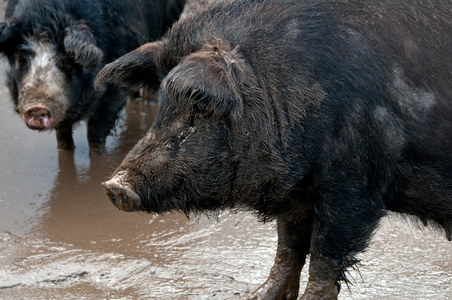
<point x="60" y="238"/>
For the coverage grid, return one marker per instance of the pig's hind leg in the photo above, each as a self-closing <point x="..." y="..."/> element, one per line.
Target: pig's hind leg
<point x="294" y="240"/>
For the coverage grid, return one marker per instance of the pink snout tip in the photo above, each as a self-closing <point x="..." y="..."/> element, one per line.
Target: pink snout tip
<point x="38" y="118"/>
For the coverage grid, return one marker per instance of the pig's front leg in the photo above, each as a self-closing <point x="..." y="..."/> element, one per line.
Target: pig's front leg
<point x="343" y="226"/>
<point x="293" y="245"/>
<point x="104" y="119"/>
<point x="64" y="136"/>
<point x="320" y="285"/>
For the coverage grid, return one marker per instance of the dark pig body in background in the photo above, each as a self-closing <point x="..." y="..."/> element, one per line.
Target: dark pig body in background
<point x="321" y="114"/>
<point x="55" y="49"/>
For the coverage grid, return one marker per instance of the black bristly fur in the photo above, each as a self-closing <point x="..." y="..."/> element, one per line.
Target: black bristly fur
<point x="330" y="114"/>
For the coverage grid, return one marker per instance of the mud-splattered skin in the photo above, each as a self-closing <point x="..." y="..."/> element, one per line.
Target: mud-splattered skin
<point x="321" y="114"/>
<point x="55" y="49"/>
<point x="172" y="156"/>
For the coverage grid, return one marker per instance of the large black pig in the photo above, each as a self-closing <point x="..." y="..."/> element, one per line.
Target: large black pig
<point x="324" y="115"/>
<point x="55" y="49"/>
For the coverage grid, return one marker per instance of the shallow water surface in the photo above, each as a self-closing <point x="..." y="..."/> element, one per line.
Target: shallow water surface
<point x="61" y="238"/>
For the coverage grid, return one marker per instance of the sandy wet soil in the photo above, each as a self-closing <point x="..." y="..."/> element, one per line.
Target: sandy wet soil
<point x="61" y="238"/>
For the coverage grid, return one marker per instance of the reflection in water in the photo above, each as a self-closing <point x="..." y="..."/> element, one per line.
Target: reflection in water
<point x="28" y="164"/>
<point x="78" y="210"/>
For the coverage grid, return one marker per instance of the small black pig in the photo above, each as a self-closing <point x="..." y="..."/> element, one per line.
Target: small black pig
<point x="323" y="115"/>
<point x="55" y="49"/>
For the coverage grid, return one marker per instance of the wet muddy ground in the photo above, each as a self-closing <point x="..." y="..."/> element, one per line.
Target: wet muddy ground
<point x="61" y="238"/>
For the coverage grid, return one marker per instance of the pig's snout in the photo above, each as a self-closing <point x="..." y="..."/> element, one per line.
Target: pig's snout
<point x="38" y="118"/>
<point x="122" y="194"/>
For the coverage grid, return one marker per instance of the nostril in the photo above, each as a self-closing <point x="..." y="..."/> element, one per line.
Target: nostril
<point x="111" y="196"/>
<point x="121" y="194"/>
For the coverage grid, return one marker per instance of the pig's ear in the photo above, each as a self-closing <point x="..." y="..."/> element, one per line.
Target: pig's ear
<point x="9" y="37"/>
<point x="79" y="43"/>
<point x="133" y="70"/>
<point x="210" y="78"/>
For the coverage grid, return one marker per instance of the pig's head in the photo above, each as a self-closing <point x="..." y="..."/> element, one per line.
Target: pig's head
<point x="188" y="160"/>
<point x="51" y="58"/>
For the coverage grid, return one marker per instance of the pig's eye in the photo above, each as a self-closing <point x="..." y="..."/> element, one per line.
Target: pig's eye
<point x="22" y="59"/>
<point x="195" y="111"/>
<point x="199" y="111"/>
<point x="192" y="121"/>
<point x="24" y="53"/>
